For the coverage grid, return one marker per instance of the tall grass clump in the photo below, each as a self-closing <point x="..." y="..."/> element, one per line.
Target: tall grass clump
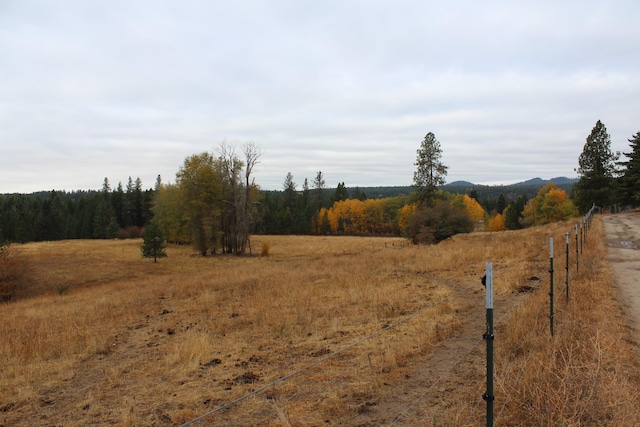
<point x="13" y="270"/>
<point x="266" y="247"/>
<point x="586" y="374"/>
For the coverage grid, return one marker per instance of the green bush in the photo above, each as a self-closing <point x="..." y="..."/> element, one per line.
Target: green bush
<point x="431" y="225"/>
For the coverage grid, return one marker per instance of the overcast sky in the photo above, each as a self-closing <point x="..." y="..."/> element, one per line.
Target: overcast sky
<point x="94" y="89"/>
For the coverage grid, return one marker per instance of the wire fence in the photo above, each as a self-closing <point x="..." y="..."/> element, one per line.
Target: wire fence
<point x="581" y="230"/>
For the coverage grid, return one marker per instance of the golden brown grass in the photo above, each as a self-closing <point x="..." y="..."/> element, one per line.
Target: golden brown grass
<point x="138" y="343"/>
<point x="587" y="374"/>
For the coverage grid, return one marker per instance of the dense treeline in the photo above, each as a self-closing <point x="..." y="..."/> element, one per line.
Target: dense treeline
<point x="215" y="204"/>
<point x="58" y="215"/>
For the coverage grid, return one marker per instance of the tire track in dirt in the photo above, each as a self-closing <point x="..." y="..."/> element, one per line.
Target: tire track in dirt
<point x="450" y="366"/>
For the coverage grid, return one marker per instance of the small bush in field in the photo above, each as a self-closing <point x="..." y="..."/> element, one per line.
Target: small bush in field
<point x="12" y="270"/>
<point x="266" y="246"/>
<point x="131" y="232"/>
<point x="431" y="225"/>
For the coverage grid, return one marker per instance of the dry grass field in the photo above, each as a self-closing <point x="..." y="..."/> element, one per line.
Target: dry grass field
<point x="364" y="331"/>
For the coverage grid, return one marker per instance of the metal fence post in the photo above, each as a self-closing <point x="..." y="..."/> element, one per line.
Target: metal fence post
<point x="551" y="285"/>
<point x="488" y="336"/>
<point x="581" y="234"/>
<point x="577" y="257"/>
<point x="566" y="235"/>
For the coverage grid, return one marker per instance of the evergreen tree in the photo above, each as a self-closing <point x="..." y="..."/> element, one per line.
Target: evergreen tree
<point x="128" y="205"/>
<point x="138" y="204"/>
<point x="629" y="189"/>
<point x="513" y="219"/>
<point x="318" y="192"/>
<point x="340" y="194"/>
<point x="430" y="172"/>
<point x="359" y="195"/>
<point x="118" y="203"/>
<point x="153" y="245"/>
<point x="501" y="204"/>
<point x="597" y="167"/>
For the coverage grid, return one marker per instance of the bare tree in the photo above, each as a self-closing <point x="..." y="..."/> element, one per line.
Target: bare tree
<point x="240" y="195"/>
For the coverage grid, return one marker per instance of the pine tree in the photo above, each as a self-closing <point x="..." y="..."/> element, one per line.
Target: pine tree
<point x="340" y="194"/>
<point x="430" y="172"/>
<point x="153" y="245"/>
<point x="597" y="167"/>
<point x="513" y="219"/>
<point x="629" y="189"/>
<point x="318" y="190"/>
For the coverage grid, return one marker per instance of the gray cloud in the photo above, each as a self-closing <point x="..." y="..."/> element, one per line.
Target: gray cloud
<point x="95" y="89"/>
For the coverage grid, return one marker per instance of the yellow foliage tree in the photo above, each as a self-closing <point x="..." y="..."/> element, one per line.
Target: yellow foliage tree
<point x="475" y="211"/>
<point x="356" y="217"/>
<point x="550" y="204"/>
<point x="470" y="205"/>
<point x="496" y="223"/>
<point x="405" y="213"/>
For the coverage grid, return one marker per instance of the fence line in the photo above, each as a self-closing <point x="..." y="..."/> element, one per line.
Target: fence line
<point x="448" y="371"/>
<point x="587" y="224"/>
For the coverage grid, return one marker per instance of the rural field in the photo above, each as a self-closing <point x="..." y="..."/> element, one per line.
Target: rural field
<point x="344" y="331"/>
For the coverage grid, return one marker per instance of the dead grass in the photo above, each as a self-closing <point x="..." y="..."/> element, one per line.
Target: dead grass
<point x="587" y="373"/>
<point x="138" y="343"/>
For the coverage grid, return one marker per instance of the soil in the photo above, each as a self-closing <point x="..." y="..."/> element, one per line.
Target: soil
<point x="623" y="240"/>
<point x="430" y="391"/>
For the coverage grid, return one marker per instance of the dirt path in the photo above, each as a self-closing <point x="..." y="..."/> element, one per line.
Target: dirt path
<point x="430" y="390"/>
<point x="623" y="241"/>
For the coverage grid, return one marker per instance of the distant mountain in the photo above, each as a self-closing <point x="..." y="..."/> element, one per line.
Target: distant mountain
<point x="511" y="192"/>
<point x="561" y="180"/>
<point x="460" y="184"/>
<point x="540" y="182"/>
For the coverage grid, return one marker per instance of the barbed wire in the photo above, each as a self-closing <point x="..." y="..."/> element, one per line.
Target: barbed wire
<point x="448" y="371"/>
<point x="381" y="331"/>
<point x="444" y="374"/>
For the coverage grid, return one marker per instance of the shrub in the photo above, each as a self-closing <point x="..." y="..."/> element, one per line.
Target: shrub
<point x="266" y="246"/>
<point x="433" y="224"/>
<point x="131" y="232"/>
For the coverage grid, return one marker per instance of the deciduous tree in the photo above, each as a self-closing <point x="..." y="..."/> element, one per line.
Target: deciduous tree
<point x="200" y="181"/>
<point x="551" y="204"/>
<point x="241" y="195"/>
<point x="496" y="223"/>
<point x="432" y="224"/>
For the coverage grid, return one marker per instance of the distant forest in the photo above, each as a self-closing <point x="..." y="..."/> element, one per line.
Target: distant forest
<point x="123" y="211"/>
